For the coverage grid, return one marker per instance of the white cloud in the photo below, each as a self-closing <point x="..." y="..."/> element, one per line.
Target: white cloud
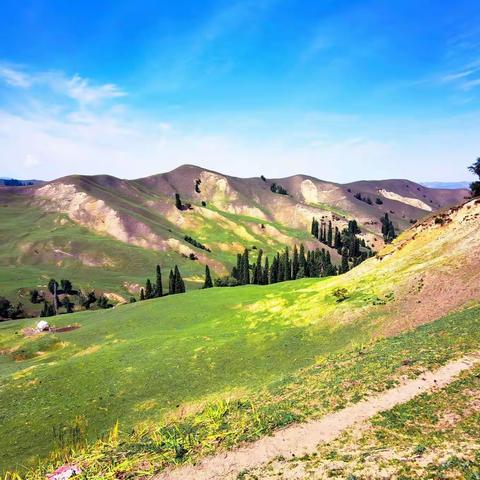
<point x="77" y="88"/>
<point x="91" y="138"/>
<point x="81" y="90"/>
<point x="14" y="77"/>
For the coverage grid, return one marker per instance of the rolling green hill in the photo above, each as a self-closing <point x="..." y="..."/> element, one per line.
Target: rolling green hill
<point x="106" y="233"/>
<point x="170" y="357"/>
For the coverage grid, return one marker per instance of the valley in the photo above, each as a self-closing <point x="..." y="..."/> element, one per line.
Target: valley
<point x="146" y="365"/>
<point x="108" y="234"/>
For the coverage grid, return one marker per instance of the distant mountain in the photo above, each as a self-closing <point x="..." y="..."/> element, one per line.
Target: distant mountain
<point x="104" y="232"/>
<point x="15" y="182"/>
<point x="446" y="185"/>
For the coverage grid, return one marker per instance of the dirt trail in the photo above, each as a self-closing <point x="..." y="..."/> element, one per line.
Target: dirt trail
<point x="301" y="439"/>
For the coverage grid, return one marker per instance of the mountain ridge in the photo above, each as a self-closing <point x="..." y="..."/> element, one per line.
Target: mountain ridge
<point x="225" y="214"/>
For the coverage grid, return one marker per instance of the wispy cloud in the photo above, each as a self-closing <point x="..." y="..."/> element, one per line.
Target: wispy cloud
<point x="14" y="77"/>
<point x="466" y="78"/>
<point x="82" y="90"/>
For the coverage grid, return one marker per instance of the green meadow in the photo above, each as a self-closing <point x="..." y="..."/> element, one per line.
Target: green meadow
<point x="138" y="362"/>
<point x="36" y="245"/>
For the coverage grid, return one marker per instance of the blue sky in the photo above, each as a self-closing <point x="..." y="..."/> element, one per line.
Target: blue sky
<point x="341" y="90"/>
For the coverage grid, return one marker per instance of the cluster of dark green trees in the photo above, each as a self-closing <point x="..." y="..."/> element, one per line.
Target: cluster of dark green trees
<point x="8" y="311"/>
<point x="359" y="196"/>
<point x="63" y="297"/>
<point x="388" y="229"/>
<point x="180" y="205"/>
<point x="352" y="249"/>
<point x="475" y="186"/>
<point x="196" y="243"/>
<point x="284" y="266"/>
<point x="13" y="182"/>
<point x="175" y="284"/>
<point x="275" y="188"/>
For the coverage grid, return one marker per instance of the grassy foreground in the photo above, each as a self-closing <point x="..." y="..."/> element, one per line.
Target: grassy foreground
<point x="432" y="437"/>
<point x="93" y="388"/>
<point x="136" y="362"/>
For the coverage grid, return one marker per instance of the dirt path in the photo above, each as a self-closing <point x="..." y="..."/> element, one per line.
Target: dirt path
<point x="301" y="439"/>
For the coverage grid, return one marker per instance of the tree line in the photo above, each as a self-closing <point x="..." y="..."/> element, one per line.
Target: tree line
<point x="352" y="249"/>
<point x="175" y="284"/>
<point x="283" y="266"/>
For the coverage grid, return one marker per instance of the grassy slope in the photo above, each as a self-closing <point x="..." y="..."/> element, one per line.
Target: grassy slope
<point x="29" y="236"/>
<point x="434" y="436"/>
<point x="140" y="361"/>
<point x="24" y="230"/>
<point x="332" y="382"/>
<point x="161" y="353"/>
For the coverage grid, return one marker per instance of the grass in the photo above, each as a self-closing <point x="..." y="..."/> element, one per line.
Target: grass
<point x="36" y="246"/>
<point x="188" y="375"/>
<point x="138" y="371"/>
<point x="137" y="362"/>
<point x="434" y="436"/>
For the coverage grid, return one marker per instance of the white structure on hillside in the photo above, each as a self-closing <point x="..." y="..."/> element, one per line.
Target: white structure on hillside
<point x="43" y="326"/>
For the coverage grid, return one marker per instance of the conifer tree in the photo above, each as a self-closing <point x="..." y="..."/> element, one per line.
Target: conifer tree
<point x="257" y="276"/>
<point x="295" y="262"/>
<point x="245" y="269"/>
<point x="308" y="263"/>
<point x="345" y="267"/>
<point x="301" y="258"/>
<point x="475" y="186"/>
<point x="158" y="283"/>
<point x="288" y="266"/>
<point x="148" y="289"/>
<point x="142" y="294"/>
<point x="178" y="201"/>
<point x="208" y="279"/>
<point x="338" y="240"/>
<point x="171" y="283"/>
<point x="315" y="228"/>
<point x="274" y="270"/>
<point x="330" y="235"/>
<point x="281" y="267"/>
<point x="266" y="273"/>
<point x="179" y="283"/>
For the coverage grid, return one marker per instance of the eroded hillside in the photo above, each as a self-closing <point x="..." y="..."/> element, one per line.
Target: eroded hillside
<point x="142" y="220"/>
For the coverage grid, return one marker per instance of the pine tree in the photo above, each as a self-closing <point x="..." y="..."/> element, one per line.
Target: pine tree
<point x="308" y="263"/>
<point x="171" y="283"/>
<point x="338" y="240"/>
<point x="148" y="289"/>
<point x="301" y="258"/>
<point x="142" y="294"/>
<point x="288" y="266"/>
<point x="208" y="279"/>
<point x="475" y="186"/>
<point x="179" y="283"/>
<point x="345" y="267"/>
<point x="245" y="269"/>
<point x="266" y="273"/>
<point x="257" y="277"/>
<point x="314" y="229"/>
<point x="274" y="270"/>
<point x="330" y="234"/>
<point x="281" y="267"/>
<point x="295" y="262"/>
<point x="158" y="283"/>
<point x="178" y="201"/>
